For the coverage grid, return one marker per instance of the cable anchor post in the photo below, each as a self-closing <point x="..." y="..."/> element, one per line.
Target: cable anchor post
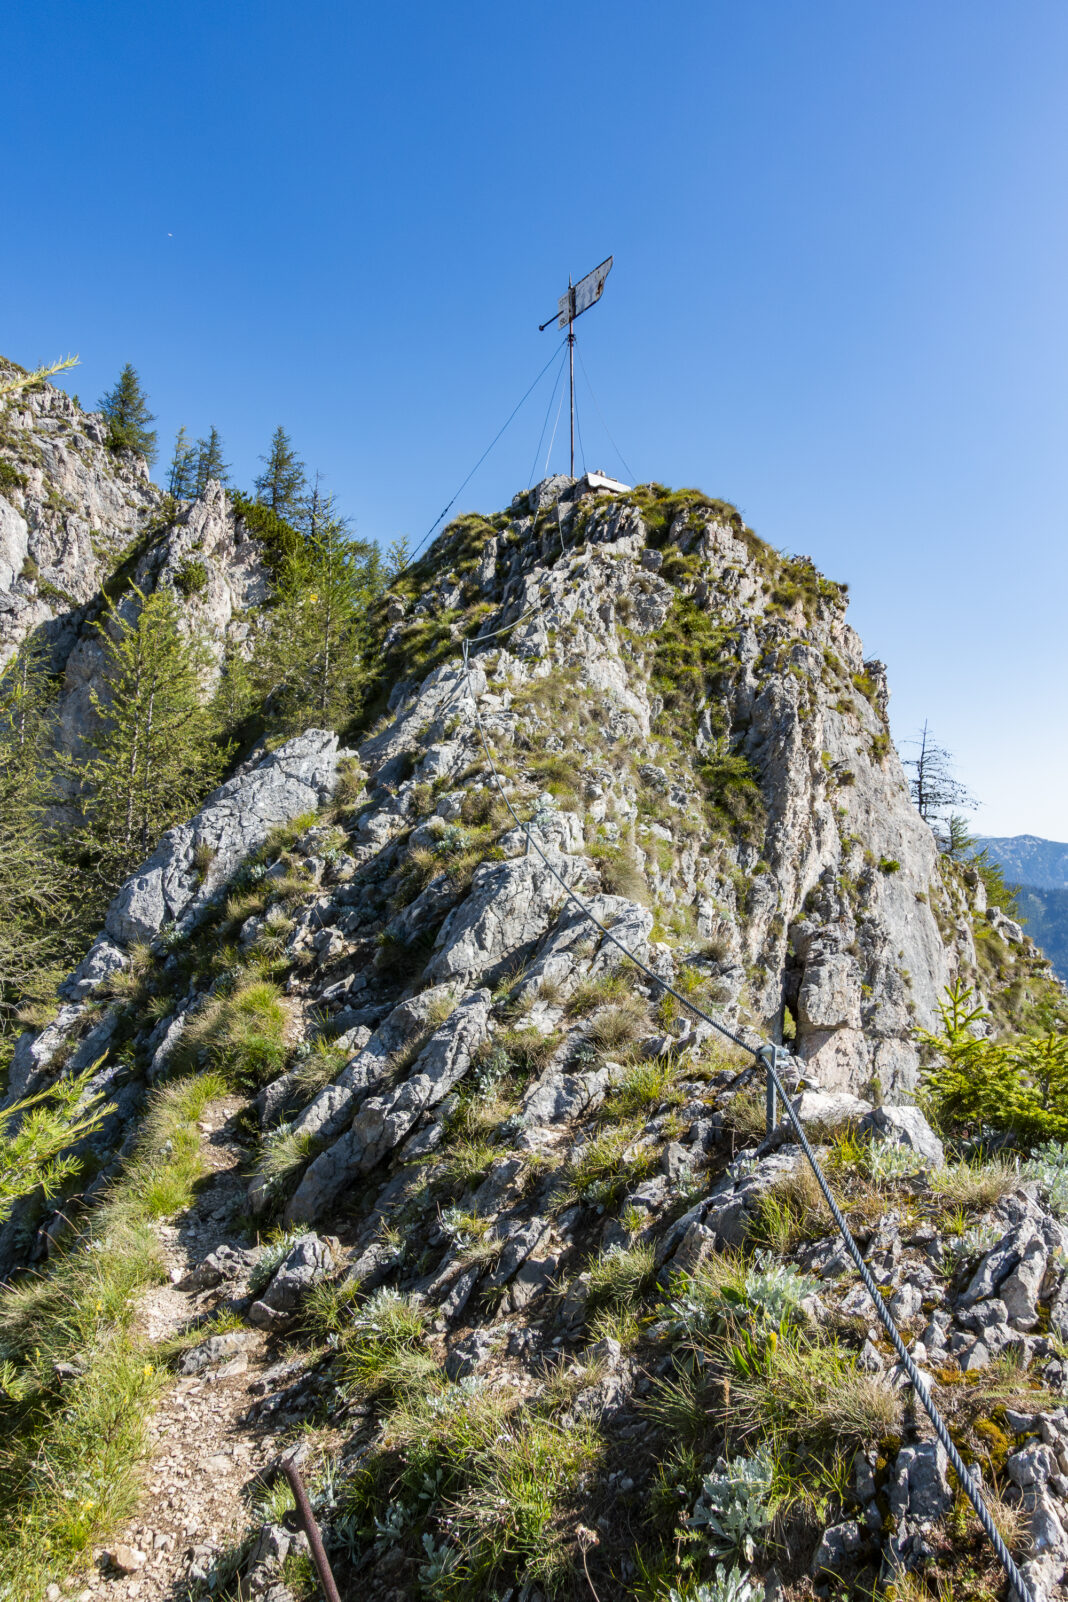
<point x="766" y="1056"/>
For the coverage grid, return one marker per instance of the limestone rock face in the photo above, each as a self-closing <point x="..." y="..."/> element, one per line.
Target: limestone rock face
<point x="667" y="747"/>
<point x="383" y="1121"/>
<point x="504" y="915"/>
<point x="73" y="510"/>
<point x="758" y="809"/>
<point x="78" y="513"/>
<point x="231" y="824"/>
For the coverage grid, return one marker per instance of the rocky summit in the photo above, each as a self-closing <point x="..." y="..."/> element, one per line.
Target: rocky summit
<point x="404" y="1166"/>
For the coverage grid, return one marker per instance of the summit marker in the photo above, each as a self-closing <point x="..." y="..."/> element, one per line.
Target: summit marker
<point x="579" y="298"/>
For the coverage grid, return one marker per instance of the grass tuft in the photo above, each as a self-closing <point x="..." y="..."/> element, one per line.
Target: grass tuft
<point x="68" y="1471"/>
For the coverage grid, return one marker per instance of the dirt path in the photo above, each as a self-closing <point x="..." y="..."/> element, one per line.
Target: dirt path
<point x="196" y="1488"/>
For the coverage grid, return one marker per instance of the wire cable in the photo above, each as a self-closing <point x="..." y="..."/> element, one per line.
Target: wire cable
<point x="548" y="413"/>
<point x="766" y="1056"/>
<point x="916" y="1380"/>
<point x="556" y="425"/>
<point x="448" y="506"/>
<point x="600" y="414"/>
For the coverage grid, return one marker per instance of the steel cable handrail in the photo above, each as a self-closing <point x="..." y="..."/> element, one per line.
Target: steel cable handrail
<point x="766" y="1054"/>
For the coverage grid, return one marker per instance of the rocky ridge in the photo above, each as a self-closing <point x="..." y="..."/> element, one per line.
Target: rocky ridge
<point x="519" y="1144"/>
<point x="82" y="526"/>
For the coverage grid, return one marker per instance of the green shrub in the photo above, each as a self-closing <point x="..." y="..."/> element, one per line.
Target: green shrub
<point x="190" y="577"/>
<point x="977" y="1085"/>
<point x="279" y="540"/>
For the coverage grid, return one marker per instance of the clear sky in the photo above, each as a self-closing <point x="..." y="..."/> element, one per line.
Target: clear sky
<point x="839" y="294"/>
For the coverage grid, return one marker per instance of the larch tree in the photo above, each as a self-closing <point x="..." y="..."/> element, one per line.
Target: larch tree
<point x="398" y="557"/>
<point x="155" y="754"/>
<point x="309" y="661"/>
<point x="209" y="462"/>
<point x="235" y="694"/>
<point x="126" y="409"/>
<point x="282" y="484"/>
<point x="34" y="913"/>
<point x="182" y="474"/>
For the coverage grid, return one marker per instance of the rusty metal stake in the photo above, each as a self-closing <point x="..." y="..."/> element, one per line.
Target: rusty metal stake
<point x="311" y="1530"/>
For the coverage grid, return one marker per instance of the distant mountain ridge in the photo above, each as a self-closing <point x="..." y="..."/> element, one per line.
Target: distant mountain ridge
<point x="1046" y="913"/>
<point x="1027" y="859"/>
<point x="1040" y="868"/>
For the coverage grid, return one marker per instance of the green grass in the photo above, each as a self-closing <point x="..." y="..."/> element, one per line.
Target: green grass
<point x="975" y="1186"/>
<point x="383" y="1352"/>
<point x="789" y="1212"/>
<point x="527" y="1049"/>
<point x="466" y="1164"/>
<point x="606" y="1166"/>
<point x="645" y="1087"/>
<point x="617" y="1027"/>
<point x="474" y="1470"/>
<point x="508" y="1509"/>
<point x="619" y="1277"/>
<point x="318" y="1069"/>
<point x="614" y="985"/>
<point x="241" y="1035"/>
<point x="619" y="873"/>
<point x="284" y="1155"/>
<point x="813" y="1393"/>
<point x="68" y="1467"/>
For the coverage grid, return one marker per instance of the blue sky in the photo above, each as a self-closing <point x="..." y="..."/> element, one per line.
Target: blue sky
<point x="838" y="299"/>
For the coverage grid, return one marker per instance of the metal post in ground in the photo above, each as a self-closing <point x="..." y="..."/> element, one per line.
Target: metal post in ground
<point x="766" y="1056"/>
<point x="311" y="1530"/>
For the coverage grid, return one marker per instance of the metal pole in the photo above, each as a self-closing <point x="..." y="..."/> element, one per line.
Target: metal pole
<point x="571" y="355"/>
<point x="311" y="1530"/>
<point x="767" y="1055"/>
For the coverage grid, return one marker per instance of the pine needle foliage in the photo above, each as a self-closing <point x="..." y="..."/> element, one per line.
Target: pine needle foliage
<point x="155" y="755"/>
<point x="25" y="380"/>
<point x="209" y="462"/>
<point x="979" y="1085"/>
<point x="282" y="483"/>
<point x="35" y="1135"/>
<point x="35" y="912"/>
<point x="181" y="475"/>
<point x="128" y="416"/>
<point x="310" y="656"/>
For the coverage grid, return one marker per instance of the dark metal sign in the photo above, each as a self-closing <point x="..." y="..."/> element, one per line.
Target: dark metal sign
<point x="581" y="296"/>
